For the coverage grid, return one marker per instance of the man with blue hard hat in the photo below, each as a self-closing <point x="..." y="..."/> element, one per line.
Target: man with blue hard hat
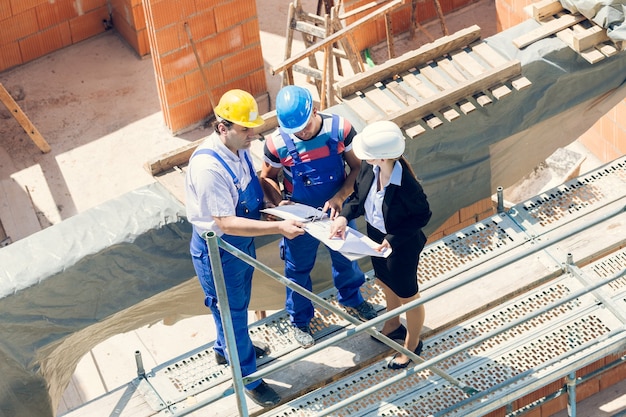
<point x="223" y="195"/>
<point x="311" y="150"/>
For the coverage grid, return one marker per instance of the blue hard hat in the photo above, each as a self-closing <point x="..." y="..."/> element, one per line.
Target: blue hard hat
<point x="294" y="106"/>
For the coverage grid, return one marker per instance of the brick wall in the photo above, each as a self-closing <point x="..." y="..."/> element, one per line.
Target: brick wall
<point x="30" y="29"/>
<point x="374" y="32"/>
<point x="226" y="36"/>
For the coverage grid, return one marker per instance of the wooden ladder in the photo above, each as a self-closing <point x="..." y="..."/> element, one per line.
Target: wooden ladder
<point x="23" y="120"/>
<point x="313" y="28"/>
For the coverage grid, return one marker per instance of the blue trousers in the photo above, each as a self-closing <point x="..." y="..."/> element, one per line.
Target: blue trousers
<point x="299" y="255"/>
<point x="238" y="277"/>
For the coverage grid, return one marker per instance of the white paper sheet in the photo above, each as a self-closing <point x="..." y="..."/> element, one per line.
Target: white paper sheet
<point x="317" y="224"/>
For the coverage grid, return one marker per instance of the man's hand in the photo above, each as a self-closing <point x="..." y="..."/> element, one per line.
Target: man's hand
<point x="291" y="228"/>
<point x="334" y="205"/>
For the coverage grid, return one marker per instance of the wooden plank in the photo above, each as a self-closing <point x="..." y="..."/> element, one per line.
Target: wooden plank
<point x="180" y="156"/>
<point x="547" y="29"/>
<point x="401" y="93"/>
<point x="467" y="106"/>
<point x="501" y="91"/>
<point x="408" y="60"/>
<point x="490" y="55"/>
<point x="545" y="8"/>
<point x="589" y="38"/>
<point x="334" y="37"/>
<point x="520" y="83"/>
<point x="417" y="84"/>
<point x="607" y="49"/>
<point x="483" y="99"/>
<point x="448" y="67"/>
<point x="450" y="114"/>
<point x="468" y="63"/>
<point x="435" y="77"/>
<point x="592" y="55"/>
<point x="361" y="106"/>
<point x="462" y="90"/>
<point x="23" y="120"/>
<point x="362" y="9"/>
<point x="433" y="122"/>
<point x="382" y="100"/>
<point x="414" y="129"/>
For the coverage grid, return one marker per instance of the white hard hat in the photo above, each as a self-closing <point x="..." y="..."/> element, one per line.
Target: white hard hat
<point x="379" y="140"/>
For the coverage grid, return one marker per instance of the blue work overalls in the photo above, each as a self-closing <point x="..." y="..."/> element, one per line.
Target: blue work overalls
<point x="237" y="273"/>
<point x="314" y="182"/>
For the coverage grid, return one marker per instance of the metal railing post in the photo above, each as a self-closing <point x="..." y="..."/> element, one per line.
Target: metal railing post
<point x="227" y="322"/>
<point x="571" y="395"/>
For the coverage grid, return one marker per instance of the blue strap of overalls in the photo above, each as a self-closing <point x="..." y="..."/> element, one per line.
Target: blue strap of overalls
<point x="291" y="147"/>
<point x="225" y="165"/>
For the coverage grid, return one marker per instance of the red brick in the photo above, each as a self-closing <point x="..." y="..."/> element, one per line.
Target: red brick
<point x="258" y="82"/>
<point x="201" y="26"/>
<point x="176" y="91"/>
<point x="139" y="17"/>
<point x="52" y="14"/>
<point x="88" y="25"/>
<point x="143" y="44"/>
<point x="169" y="12"/>
<point x="5" y="11"/>
<point x="10" y="55"/>
<point x="242" y="63"/>
<point x="176" y="64"/>
<point x="251" y="32"/>
<point x="554" y="406"/>
<point x="86" y="6"/>
<point x="126" y="31"/>
<point x="620" y="140"/>
<point x="228" y="14"/>
<point x="19" y="27"/>
<point x="587" y="389"/>
<point x="189" y="113"/>
<point x="501" y="412"/>
<point x="20" y="6"/>
<point x="41" y="44"/>
<point x="207" y="4"/>
<point x="221" y="44"/>
<point x="169" y="39"/>
<point x="613" y="376"/>
<point x="471" y="211"/>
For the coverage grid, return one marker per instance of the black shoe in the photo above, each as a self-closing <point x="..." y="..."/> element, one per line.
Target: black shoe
<point x="392" y="364"/>
<point x="263" y="395"/>
<point x="260" y="349"/>
<point x="398" y="334"/>
<point x="364" y="311"/>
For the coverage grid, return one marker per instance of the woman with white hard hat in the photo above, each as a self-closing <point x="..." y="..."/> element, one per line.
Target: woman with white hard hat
<point x="396" y="209"/>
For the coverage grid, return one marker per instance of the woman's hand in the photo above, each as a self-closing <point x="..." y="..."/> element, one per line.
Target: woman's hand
<point x="384" y="245"/>
<point x="338" y="228"/>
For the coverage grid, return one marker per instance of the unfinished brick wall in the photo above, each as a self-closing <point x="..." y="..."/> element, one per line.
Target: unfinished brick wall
<point x="130" y="22"/>
<point x="374" y="32"/>
<point x="226" y="36"/>
<point x="30" y="29"/>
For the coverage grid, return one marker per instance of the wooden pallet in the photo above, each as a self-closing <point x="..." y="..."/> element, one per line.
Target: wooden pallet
<point x="437" y="82"/>
<point x="582" y="35"/>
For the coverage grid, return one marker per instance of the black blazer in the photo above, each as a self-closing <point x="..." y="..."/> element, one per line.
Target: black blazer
<point x="405" y="207"/>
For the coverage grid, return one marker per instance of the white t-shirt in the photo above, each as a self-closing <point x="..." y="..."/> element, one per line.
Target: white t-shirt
<point x="374" y="201"/>
<point x="209" y="188"/>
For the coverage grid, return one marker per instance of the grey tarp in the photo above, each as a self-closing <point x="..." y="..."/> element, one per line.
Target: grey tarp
<point x="608" y="14"/>
<point x="125" y="263"/>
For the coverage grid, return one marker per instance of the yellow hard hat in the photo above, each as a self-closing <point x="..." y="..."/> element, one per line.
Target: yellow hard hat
<point x="239" y="107"/>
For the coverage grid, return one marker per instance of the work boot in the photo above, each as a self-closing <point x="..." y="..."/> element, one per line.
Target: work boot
<point x="364" y="311"/>
<point x="263" y="395"/>
<point x="260" y="349"/>
<point x="303" y="336"/>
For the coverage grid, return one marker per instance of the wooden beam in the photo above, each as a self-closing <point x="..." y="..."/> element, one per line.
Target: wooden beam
<point x="334" y="37"/>
<point x="23" y="120"/>
<point x="180" y="156"/>
<point x="545" y="8"/>
<point x="408" y="60"/>
<point x="460" y="91"/>
<point x="547" y="29"/>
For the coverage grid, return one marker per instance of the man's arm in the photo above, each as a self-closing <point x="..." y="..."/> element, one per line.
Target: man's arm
<point x="269" y="184"/>
<point x="241" y="226"/>
<point x="336" y="202"/>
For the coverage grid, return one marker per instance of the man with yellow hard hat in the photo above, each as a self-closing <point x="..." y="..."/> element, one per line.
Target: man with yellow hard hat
<point x="224" y="196"/>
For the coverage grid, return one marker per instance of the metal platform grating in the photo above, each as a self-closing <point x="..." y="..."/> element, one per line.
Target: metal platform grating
<point x="547" y="337"/>
<point x="573" y="199"/>
<point x="197" y="371"/>
<point x="460" y="251"/>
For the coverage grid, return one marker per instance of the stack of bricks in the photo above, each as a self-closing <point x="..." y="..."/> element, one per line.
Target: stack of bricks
<point x="226" y="36"/>
<point x="30" y="29"/>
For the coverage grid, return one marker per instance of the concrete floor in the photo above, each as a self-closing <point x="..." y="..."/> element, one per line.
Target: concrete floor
<point x="97" y="105"/>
